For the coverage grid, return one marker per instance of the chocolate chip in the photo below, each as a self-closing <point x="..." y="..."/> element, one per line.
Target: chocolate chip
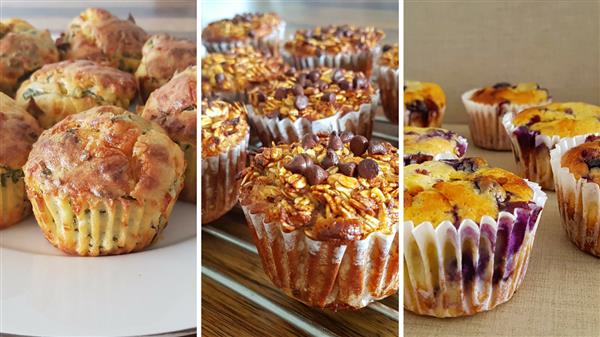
<point x="251" y="34"/>
<point x="386" y="47"/>
<point x="220" y="78"/>
<point x="309" y="141"/>
<point x="335" y="142"/>
<point x="302" y="79"/>
<point x="368" y="168"/>
<point x="301" y="102"/>
<point x="358" y="145"/>
<point x="274" y="113"/>
<point x="314" y="75"/>
<point x="359" y="82"/>
<point x="569" y="111"/>
<point x="347" y="169"/>
<point x="315" y="175"/>
<point x="261" y="97"/>
<point x="298" y="90"/>
<point x="337" y="76"/>
<point x="502" y="85"/>
<point x="346" y="136"/>
<point x="376" y="147"/>
<point x="345" y="85"/>
<point x="328" y="97"/>
<point x="280" y="93"/>
<point x="290" y="72"/>
<point x="299" y="164"/>
<point x="331" y="159"/>
<point x="321" y="85"/>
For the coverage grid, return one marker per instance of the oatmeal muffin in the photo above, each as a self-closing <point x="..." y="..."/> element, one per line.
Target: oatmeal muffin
<point x="23" y="49"/>
<point x="468" y="234"/>
<point x="424" y="104"/>
<point x="576" y="169"/>
<point x="311" y="101"/>
<point x="487" y="106"/>
<point x="99" y="36"/>
<point x="324" y="215"/>
<point x="229" y="76"/>
<point x="534" y="132"/>
<point x="173" y="106"/>
<point x="103" y="182"/>
<point x="343" y="46"/>
<point x="263" y="31"/>
<point x="424" y="144"/>
<point x="225" y="134"/>
<point x="61" y="89"/>
<point x="18" y="131"/>
<point x="387" y="79"/>
<point x="163" y="56"/>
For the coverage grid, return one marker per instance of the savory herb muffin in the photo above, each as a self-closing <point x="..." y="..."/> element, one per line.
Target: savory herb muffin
<point x="61" y="89"/>
<point x="173" y="106"/>
<point x="535" y="131"/>
<point x="18" y="131"/>
<point x="103" y="182"/>
<point x="486" y="107"/>
<point x="576" y="170"/>
<point x="324" y="215"/>
<point x="225" y="135"/>
<point x="424" y="144"/>
<point x="162" y="56"/>
<point x="388" y="76"/>
<point x="23" y="49"/>
<point x="99" y="36"/>
<point x="312" y="101"/>
<point x="424" y="104"/>
<point x="468" y="234"/>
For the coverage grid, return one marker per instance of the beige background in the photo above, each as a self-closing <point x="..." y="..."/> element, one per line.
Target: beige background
<point x="467" y="44"/>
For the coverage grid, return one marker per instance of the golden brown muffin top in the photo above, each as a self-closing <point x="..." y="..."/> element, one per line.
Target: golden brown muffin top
<point x="106" y="154"/>
<point x="332" y="40"/>
<point x="456" y="190"/>
<point x="224" y="126"/>
<point x="583" y="161"/>
<point x="18" y="131"/>
<point x="390" y="56"/>
<point x="560" y="119"/>
<point x="238" y="70"/>
<point x="242" y="27"/>
<point x="423" y="144"/>
<point x="423" y="96"/>
<point x="163" y="55"/>
<point x="522" y="93"/>
<point x="99" y="36"/>
<point x="332" y="187"/>
<point x="23" y="49"/>
<point x="312" y="93"/>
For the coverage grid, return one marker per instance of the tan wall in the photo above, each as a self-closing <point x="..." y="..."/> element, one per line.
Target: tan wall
<point x="467" y="44"/>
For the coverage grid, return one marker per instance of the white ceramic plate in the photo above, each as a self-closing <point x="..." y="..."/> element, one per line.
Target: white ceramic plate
<point x="44" y="292"/>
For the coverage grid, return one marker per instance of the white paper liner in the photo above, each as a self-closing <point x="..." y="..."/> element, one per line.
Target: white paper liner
<point x="327" y="274"/>
<point x="437" y="268"/>
<point x="361" y="61"/>
<point x="387" y="79"/>
<point x="271" y="42"/>
<point x="485" y="121"/>
<point x="434" y="123"/>
<point x="578" y="200"/>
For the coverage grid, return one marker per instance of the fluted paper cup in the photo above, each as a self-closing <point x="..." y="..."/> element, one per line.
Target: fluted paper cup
<point x="361" y="61"/>
<point x="387" y="79"/>
<point x="14" y="205"/>
<point x="270" y="42"/>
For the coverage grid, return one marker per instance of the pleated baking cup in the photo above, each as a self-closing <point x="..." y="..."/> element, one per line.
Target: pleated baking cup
<point x="287" y="131"/>
<point x="454" y="271"/>
<point x="14" y="205"/>
<point x="387" y="80"/>
<point x="220" y="186"/>
<point x="578" y="200"/>
<point x="327" y="274"/>
<point x="485" y="121"/>
<point x="417" y="158"/>
<point x="270" y="42"/>
<point x="189" y="184"/>
<point x="361" y="61"/>
<point x="435" y="122"/>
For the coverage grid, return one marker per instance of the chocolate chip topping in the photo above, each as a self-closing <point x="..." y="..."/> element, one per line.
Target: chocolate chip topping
<point x="219" y="78"/>
<point x="346" y="136"/>
<point x="309" y="141"/>
<point x="358" y="145"/>
<point x="315" y="175"/>
<point x="368" y="168"/>
<point x="280" y="93"/>
<point x="298" y="90"/>
<point x="347" y="169"/>
<point x="314" y="75"/>
<point x="299" y="164"/>
<point x="359" y="82"/>
<point x="301" y="102"/>
<point x="335" y="142"/>
<point x="261" y="97"/>
<point x="386" y="47"/>
<point x="331" y="159"/>
<point x="501" y="85"/>
<point x="376" y="147"/>
<point x="345" y="85"/>
<point x="328" y="97"/>
<point x="290" y="72"/>
<point x="337" y="76"/>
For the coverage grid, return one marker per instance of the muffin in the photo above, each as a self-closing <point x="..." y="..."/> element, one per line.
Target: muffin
<point x="229" y="76"/>
<point x="345" y="46"/>
<point x="225" y="134"/>
<point x="576" y="169"/>
<point x="173" y="106"/>
<point x="324" y="215"/>
<point x="310" y="101"/>
<point x="424" y="104"/>
<point x="24" y="49"/>
<point x="263" y="31"/>
<point x="487" y="106"/>
<point x="535" y="131"/>
<point x="61" y="89"/>
<point x="163" y="56"/>
<point x="99" y="36"/>
<point x="387" y="75"/>
<point x="18" y="131"/>
<point x="424" y="144"/>
<point x="103" y="182"/>
<point x="468" y="234"/>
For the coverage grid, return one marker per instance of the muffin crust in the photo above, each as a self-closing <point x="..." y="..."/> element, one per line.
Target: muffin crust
<point x="559" y="119"/>
<point x="423" y="144"/>
<point x="224" y="126"/>
<point x="331" y="40"/>
<point x="424" y="102"/>
<point x="522" y="93"/>
<point x="243" y="27"/>
<point x="18" y="132"/>
<point x="390" y="56"/>
<point x="583" y="161"/>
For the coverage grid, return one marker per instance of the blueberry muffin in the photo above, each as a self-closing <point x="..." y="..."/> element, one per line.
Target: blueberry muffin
<point x="424" y="104"/>
<point x="576" y="170"/>
<point x="61" y="89"/>
<point x="99" y="36"/>
<point x="103" y="182"/>
<point x="23" y="49"/>
<point x="18" y="132"/>
<point x="163" y="56"/>
<point x="468" y="234"/>
<point x="311" y="101"/>
<point x="324" y="215"/>
<point x="487" y="106"/>
<point x="387" y="79"/>
<point x="535" y="131"/>
<point x="173" y="106"/>
<point x="424" y="144"/>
